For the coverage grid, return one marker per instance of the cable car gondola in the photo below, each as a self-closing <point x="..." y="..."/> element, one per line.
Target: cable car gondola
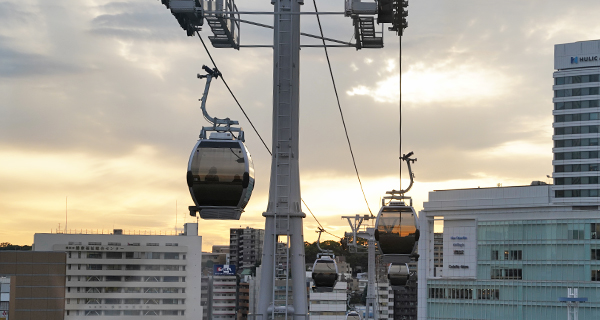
<point x="220" y="173"/>
<point x="324" y="274"/>
<point x="324" y="271"/>
<point x="220" y="177"/>
<point x="352" y="315"/>
<point x="397" y="232"/>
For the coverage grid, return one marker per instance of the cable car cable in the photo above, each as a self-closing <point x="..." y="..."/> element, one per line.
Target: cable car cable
<point x="340" y="107"/>
<point x="400" y="106"/>
<point x="231" y="92"/>
<point x="320" y="225"/>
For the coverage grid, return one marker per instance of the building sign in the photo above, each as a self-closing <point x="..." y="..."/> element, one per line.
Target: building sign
<point x="460" y="249"/>
<point x="94" y="248"/>
<point x="576" y="60"/>
<point x="223" y="269"/>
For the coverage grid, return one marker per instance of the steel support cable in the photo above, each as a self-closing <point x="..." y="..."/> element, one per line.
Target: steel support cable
<point x="231" y="92"/>
<point x="400" y="105"/>
<point x="340" y="108"/>
<point x="256" y="131"/>
<point x="320" y="225"/>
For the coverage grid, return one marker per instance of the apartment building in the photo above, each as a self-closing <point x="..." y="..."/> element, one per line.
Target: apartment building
<point x="133" y="276"/>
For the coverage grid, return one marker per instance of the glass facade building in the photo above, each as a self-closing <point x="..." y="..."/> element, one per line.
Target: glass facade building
<point x="576" y="125"/>
<point x="509" y="253"/>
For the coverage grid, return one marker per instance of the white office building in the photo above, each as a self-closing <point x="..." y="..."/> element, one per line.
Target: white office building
<point x="576" y="122"/>
<point x="329" y="305"/>
<point x="117" y="276"/>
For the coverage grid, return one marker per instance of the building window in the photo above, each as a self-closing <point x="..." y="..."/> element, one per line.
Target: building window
<point x="133" y="267"/>
<point x="133" y="255"/>
<point x="114" y="243"/>
<point x="513" y="255"/>
<point x="171" y="268"/>
<point x="132" y="290"/>
<point x="113" y="267"/>
<point x="94" y="267"/>
<point x="437" y="293"/>
<point x="94" y="255"/>
<point x="172" y="255"/>
<point x="112" y="312"/>
<point x="488" y="294"/>
<point x="114" y="255"/>
<point x="170" y="279"/>
<point x="112" y="290"/>
<point x="460" y="294"/>
<point x="508" y="274"/>
<point x="152" y="255"/>
<point x="494" y="255"/>
<point x="91" y="278"/>
<point x="113" y="278"/>
<point x="152" y="268"/>
<point x="595" y="231"/>
<point x="170" y="301"/>
<point x="152" y="244"/>
<point x="132" y="301"/>
<point x="112" y="301"/>
<point x="131" y="312"/>
<point x="94" y="243"/>
<point x="170" y="290"/>
<point x="133" y="279"/>
<point x="169" y="312"/>
<point x="575" y="234"/>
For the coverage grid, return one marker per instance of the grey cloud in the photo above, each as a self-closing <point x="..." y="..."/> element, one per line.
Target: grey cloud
<point x="15" y="63"/>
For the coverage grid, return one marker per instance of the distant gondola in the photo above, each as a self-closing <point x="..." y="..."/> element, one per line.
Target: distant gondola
<point x="398" y="275"/>
<point x="324" y="274"/>
<point x="352" y="315"/>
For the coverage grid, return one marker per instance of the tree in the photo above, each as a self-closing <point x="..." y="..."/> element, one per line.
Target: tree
<point x="6" y="246"/>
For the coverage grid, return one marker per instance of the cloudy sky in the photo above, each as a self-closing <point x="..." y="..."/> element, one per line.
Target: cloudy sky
<point x="99" y="109"/>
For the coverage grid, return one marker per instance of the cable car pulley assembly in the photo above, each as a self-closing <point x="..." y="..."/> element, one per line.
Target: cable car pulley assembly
<point x="220" y="174"/>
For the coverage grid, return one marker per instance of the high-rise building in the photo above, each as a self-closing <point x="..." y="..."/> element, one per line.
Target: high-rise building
<point x="132" y="276"/>
<point x="576" y="122"/>
<point x="245" y="247"/>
